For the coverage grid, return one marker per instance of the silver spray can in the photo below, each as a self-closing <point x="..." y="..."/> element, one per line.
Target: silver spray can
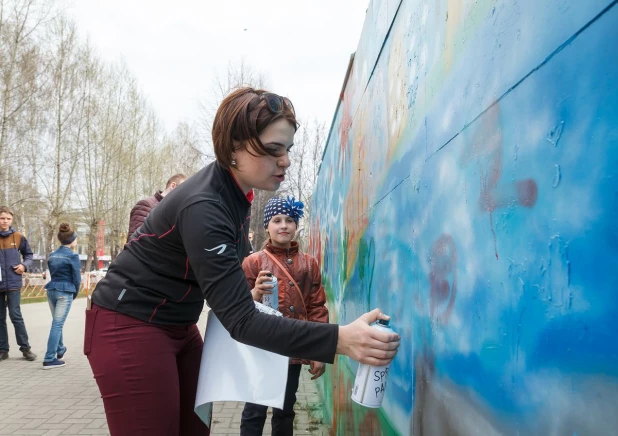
<point x="370" y="382"/>
<point x="272" y="300"/>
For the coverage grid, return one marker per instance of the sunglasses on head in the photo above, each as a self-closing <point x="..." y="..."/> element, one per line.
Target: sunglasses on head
<point x="275" y="103"/>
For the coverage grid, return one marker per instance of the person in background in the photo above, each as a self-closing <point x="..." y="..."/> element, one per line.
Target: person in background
<point x="143" y="207"/>
<point x="63" y="287"/>
<point x="141" y="337"/>
<point x="301" y="296"/>
<point x="15" y="259"/>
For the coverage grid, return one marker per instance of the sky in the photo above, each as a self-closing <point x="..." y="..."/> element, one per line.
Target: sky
<point x="177" y="49"/>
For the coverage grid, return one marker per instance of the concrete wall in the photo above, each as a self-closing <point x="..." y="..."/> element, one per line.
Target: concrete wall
<point x="469" y="188"/>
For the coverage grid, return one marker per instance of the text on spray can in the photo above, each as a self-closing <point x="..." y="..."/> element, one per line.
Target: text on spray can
<point x="370" y="382"/>
<point x="271" y="300"/>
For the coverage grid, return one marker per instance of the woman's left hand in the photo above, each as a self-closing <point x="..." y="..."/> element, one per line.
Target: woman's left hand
<point x="317" y="369"/>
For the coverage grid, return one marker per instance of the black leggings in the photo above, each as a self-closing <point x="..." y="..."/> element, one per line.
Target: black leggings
<point x="254" y="415"/>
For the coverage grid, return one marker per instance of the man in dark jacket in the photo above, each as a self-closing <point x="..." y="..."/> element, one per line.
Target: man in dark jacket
<point x="15" y="259"/>
<point x="143" y="207"/>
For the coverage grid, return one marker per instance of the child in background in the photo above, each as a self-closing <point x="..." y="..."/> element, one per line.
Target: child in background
<point x="65" y="272"/>
<point x="15" y="259"/>
<point x="301" y="296"/>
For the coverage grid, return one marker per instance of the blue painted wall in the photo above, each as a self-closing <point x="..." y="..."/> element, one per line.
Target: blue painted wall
<point x="469" y="188"/>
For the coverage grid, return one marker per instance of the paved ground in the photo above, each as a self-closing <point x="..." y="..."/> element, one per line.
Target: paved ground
<point x="66" y="401"/>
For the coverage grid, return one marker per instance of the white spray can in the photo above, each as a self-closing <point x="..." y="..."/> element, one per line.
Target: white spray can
<point x="272" y="300"/>
<point x="370" y="382"/>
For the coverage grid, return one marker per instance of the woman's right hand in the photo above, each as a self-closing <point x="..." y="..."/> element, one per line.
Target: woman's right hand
<point x="366" y="344"/>
<point x="260" y="287"/>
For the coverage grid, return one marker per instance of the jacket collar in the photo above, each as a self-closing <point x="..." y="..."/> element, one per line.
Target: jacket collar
<point x="234" y="187"/>
<point x="8" y="232"/>
<point x="282" y="251"/>
<point x="158" y="195"/>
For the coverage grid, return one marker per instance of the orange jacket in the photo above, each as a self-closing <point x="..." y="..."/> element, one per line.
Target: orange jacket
<point x="304" y="270"/>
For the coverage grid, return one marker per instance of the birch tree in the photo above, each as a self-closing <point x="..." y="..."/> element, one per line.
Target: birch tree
<point x="66" y="126"/>
<point x="305" y="158"/>
<point x="20" y="70"/>
<point x="238" y="75"/>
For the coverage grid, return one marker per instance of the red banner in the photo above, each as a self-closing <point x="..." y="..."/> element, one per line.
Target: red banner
<point x="100" y="241"/>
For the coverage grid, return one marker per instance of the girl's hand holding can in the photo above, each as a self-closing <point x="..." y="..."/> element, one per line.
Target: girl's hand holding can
<point x="262" y="288"/>
<point x="365" y="344"/>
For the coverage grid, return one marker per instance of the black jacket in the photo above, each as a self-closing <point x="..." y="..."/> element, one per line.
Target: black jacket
<point x="190" y="248"/>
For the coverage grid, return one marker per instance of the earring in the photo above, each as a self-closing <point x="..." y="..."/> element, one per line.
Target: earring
<point x="233" y="163"/>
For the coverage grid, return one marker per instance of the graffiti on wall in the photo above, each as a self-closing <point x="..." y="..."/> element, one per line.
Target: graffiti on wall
<point x="468" y="188"/>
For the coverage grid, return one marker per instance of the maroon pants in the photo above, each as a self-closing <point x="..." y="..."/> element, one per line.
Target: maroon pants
<point x="147" y="374"/>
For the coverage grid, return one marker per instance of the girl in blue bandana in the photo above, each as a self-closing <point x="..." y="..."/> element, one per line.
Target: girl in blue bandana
<point x="301" y="296"/>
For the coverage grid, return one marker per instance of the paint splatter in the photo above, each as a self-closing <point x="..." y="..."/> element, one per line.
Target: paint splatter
<point x="553" y="137"/>
<point x="443" y="278"/>
<point x="527" y="192"/>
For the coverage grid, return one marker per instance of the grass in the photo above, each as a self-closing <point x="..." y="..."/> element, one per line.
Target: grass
<point x="314" y="413"/>
<point x="43" y="298"/>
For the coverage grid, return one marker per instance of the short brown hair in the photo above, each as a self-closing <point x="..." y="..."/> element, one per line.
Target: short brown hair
<point x="6" y="209"/>
<point x="234" y="122"/>
<point x="176" y="178"/>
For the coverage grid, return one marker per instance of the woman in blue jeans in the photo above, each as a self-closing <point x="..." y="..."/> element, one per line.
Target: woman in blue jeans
<point x="65" y="274"/>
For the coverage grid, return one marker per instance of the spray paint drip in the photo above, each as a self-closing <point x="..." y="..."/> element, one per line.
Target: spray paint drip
<point x="557" y="176"/>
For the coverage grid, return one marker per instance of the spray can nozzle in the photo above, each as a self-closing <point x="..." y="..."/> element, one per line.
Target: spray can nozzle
<point x="384" y="322"/>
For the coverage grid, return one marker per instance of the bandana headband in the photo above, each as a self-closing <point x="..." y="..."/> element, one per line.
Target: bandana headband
<point x="283" y="206"/>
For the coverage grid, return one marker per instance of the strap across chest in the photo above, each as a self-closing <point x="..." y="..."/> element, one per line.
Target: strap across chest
<point x="289" y="276"/>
